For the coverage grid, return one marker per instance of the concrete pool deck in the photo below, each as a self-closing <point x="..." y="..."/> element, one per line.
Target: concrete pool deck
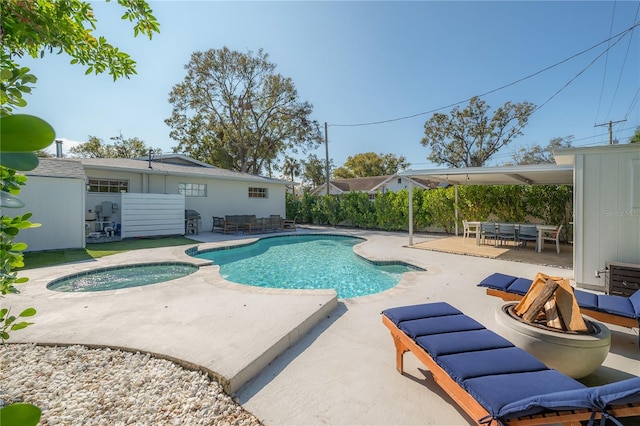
<point x="291" y="357"/>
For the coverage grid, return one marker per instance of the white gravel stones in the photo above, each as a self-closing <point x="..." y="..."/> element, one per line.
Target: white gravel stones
<point x="76" y="385"/>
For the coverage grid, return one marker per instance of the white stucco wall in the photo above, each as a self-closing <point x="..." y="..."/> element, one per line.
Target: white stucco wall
<point x="58" y="205"/>
<point x="224" y="196"/>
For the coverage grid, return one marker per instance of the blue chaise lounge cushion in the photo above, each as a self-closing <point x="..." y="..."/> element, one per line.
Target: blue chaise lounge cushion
<point x="498" y="281"/>
<point x="425" y="310"/>
<point x="616" y="305"/>
<point x="597" y="398"/>
<point x="436" y="325"/>
<point x="462" y="341"/>
<point x="468" y="365"/>
<point x="496" y="392"/>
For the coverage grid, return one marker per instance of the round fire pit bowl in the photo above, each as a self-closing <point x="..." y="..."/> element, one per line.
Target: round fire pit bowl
<point x="576" y="354"/>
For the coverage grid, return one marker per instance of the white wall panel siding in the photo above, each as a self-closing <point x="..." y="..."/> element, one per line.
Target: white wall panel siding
<point x="605" y="217"/>
<point x="145" y="215"/>
<point x="58" y="205"/>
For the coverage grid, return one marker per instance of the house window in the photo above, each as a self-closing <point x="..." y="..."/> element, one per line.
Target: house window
<point x="192" y="189"/>
<point x="108" y="185"/>
<point x="258" y="192"/>
<point x="399" y="181"/>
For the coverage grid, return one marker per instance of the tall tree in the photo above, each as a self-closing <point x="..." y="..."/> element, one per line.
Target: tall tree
<point x="469" y="137"/>
<point x="371" y="164"/>
<point x="636" y="136"/>
<point x="539" y="155"/>
<point x="315" y="170"/>
<point x="233" y="110"/>
<point x="121" y="148"/>
<point x="291" y="168"/>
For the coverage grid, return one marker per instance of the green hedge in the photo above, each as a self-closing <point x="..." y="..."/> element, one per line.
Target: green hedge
<point x="389" y="211"/>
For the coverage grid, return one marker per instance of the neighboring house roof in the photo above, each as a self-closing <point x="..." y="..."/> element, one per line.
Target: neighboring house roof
<point x="179" y="159"/>
<point x="371" y="184"/>
<point x="143" y="166"/>
<point x="58" y="168"/>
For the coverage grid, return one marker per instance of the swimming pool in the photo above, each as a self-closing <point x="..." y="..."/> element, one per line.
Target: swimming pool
<point x="122" y="276"/>
<point x="307" y="262"/>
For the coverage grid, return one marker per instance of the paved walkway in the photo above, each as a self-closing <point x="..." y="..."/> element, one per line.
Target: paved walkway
<point x="339" y="367"/>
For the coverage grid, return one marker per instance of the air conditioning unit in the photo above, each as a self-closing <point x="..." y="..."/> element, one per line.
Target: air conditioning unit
<point x="623" y="279"/>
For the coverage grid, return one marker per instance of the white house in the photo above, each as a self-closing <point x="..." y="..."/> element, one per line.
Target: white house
<point x="371" y="185"/>
<point x="73" y="197"/>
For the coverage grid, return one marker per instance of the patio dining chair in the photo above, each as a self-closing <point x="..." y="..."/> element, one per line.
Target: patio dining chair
<point x="468" y="230"/>
<point x="488" y="230"/>
<point x="507" y="231"/>
<point x="553" y="236"/>
<point x="528" y="233"/>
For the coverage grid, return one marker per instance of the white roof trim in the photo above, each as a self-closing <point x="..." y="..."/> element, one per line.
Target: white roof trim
<point x="539" y="174"/>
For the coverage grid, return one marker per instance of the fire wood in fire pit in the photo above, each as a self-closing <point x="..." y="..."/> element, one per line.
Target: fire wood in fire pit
<point x="552" y="299"/>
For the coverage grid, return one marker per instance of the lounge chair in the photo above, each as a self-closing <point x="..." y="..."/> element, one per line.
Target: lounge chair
<point x="619" y="310"/>
<point x="289" y="224"/>
<point x="223" y="225"/>
<point x="494" y="381"/>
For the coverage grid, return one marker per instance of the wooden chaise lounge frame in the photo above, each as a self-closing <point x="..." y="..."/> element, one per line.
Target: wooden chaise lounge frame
<point x="462" y="398"/>
<point x="597" y="315"/>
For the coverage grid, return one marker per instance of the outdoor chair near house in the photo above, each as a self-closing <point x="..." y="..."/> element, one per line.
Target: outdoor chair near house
<point x="223" y="225"/>
<point x="289" y="224"/>
<point x="507" y="232"/>
<point x="275" y="222"/>
<point x="528" y="233"/>
<point x="488" y="230"/>
<point x="553" y="236"/>
<point x="468" y="230"/>
<point x="246" y="223"/>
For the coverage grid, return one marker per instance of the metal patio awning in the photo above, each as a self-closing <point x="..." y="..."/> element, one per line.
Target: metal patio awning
<point x="537" y="174"/>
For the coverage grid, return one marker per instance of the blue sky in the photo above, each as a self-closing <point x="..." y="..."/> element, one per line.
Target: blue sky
<point x="363" y="62"/>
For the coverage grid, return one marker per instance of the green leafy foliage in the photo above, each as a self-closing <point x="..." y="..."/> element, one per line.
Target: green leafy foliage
<point x="20" y="414"/>
<point x="371" y="164"/>
<point x="121" y="148"/>
<point x="436" y="207"/>
<point x="38" y="27"/>
<point x="8" y="321"/>
<point x="25" y="133"/>
<point x="469" y="137"/>
<point x="234" y="111"/>
<point x="14" y="81"/>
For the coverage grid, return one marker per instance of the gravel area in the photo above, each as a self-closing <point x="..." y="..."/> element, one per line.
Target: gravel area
<point x="76" y="385"/>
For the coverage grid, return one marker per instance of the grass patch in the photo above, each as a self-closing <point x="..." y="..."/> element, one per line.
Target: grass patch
<point x="95" y="251"/>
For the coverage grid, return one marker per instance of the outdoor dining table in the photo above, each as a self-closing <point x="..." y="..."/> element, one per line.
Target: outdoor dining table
<point x="540" y="228"/>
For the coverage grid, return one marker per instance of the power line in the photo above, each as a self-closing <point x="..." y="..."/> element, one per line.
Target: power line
<point x="622" y="33"/>
<point x="624" y="62"/>
<point x="606" y="61"/>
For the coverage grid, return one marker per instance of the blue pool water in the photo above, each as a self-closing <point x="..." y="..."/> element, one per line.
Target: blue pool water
<point x="123" y="276"/>
<point x="307" y="262"/>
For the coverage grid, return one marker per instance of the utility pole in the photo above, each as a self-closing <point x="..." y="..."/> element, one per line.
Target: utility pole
<point x="326" y="149"/>
<point x="610" y="124"/>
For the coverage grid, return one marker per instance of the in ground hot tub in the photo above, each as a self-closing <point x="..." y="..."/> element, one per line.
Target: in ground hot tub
<point x="575" y="354"/>
<point x="122" y="276"/>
